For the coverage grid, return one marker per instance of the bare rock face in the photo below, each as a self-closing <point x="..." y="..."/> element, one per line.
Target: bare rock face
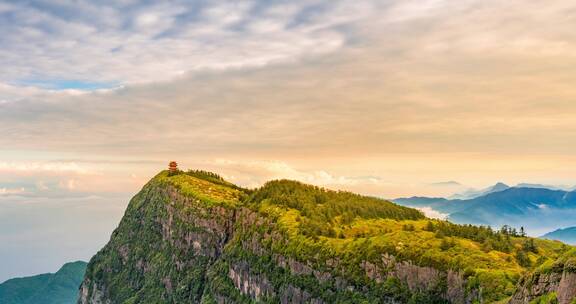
<point x="256" y="287"/>
<point x="91" y="293"/>
<point x="537" y="285"/>
<point x="422" y="279"/>
<point x="294" y="295"/>
<point x="567" y="289"/>
<point x="417" y="278"/>
<point x="456" y="289"/>
<point x="160" y="252"/>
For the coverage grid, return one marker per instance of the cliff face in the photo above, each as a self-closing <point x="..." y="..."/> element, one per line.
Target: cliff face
<point x="173" y="247"/>
<point x="194" y="238"/>
<point x="555" y="283"/>
<point x="161" y="250"/>
<point x="261" y="270"/>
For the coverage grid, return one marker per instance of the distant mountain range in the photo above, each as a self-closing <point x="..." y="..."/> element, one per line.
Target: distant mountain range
<point x="473" y="193"/>
<point x="566" y="235"/>
<point x="537" y="208"/>
<point x="50" y="288"/>
<point x="551" y="187"/>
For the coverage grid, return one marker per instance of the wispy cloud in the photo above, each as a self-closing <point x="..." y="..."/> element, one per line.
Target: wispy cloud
<point x="44" y="167"/>
<point x="431" y="213"/>
<point x="377" y="97"/>
<point x="11" y="191"/>
<point x="327" y="91"/>
<point x="415" y="86"/>
<point x="61" y="45"/>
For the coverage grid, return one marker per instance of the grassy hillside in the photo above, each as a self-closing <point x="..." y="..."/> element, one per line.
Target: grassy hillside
<point x="57" y="288"/>
<point x="349" y="226"/>
<point x="196" y="238"/>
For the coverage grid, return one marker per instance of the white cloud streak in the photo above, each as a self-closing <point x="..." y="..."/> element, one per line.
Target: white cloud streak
<point x="431" y="213"/>
<point x="442" y="80"/>
<point x="43" y="167"/>
<point x="11" y="191"/>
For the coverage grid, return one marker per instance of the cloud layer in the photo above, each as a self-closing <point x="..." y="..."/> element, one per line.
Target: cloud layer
<point x="380" y="97"/>
<point x="411" y="91"/>
<point x="89" y="45"/>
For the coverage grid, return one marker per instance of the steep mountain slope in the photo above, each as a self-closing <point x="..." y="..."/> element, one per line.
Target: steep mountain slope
<point x="566" y="235"/>
<point x="57" y="288"/>
<point x="194" y="238"/>
<point x="552" y="282"/>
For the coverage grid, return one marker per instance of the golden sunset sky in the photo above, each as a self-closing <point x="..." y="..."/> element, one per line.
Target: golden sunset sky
<point x="386" y="98"/>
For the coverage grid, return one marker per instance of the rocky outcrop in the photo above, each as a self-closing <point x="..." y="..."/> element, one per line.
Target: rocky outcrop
<point x="456" y="291"/>
<point x="422" y="279"/>
<point x="256" y="287"/>
<point x="165" y="242"/>
<point x="295" y="295"/>
<point x="566" y="292"/>
<point x="92" y="293"/>
<point x="536" y="285"/>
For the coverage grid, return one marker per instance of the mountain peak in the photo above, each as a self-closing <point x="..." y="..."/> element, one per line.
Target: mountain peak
<point x="500" y="185"/>
<point x="193" y="237"/>
<point x="474" y="193"/>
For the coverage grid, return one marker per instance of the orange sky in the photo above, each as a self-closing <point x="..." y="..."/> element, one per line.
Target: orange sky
<point x="387" y="101"/>
<point x="387" y="98"/>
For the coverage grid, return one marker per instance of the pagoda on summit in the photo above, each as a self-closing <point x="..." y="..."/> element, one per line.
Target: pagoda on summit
<point x="173" y="167"/>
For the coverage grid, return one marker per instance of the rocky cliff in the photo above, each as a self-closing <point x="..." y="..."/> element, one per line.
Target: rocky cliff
<point x="555" y="283"/>
<point x="163" y="247"/>
<point x="194" y="238"/>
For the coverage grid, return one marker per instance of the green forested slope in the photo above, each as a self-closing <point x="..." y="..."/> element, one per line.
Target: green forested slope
<point x="195" y="238"/>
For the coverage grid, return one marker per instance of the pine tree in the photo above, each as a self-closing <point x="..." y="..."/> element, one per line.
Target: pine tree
<point x="522" y="232"/>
